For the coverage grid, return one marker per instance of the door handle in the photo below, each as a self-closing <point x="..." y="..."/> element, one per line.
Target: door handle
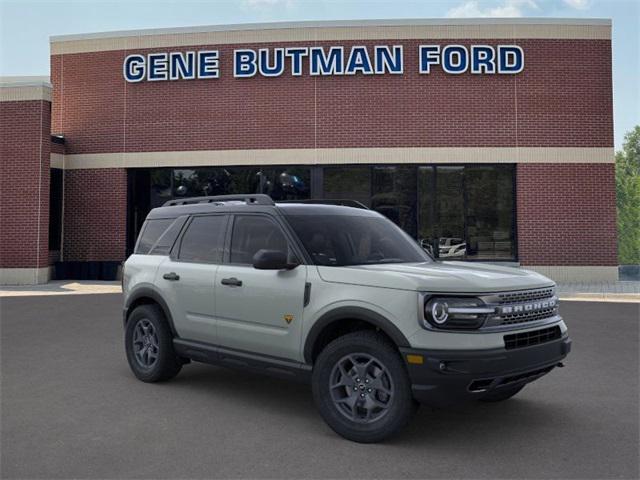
<point x="173" y="276"/>
<point x="232" y="282"/>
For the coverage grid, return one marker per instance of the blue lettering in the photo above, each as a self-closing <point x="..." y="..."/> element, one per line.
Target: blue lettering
<point x="179" y="67"/>
<point x="296" y="55"/>
<point x="388" y="62"/>
<point x="455" y="59"/>
<point x="158" y="67"/>
<point x="331" y="64"/>
<point x="359" y="61"/>
<point x="429" y="55"/>
<point x="208" y="64"/>
<point x="133" y="68"/>
<point x="483" y="59"/>
<point x="510" y="59"/>
<point x="277" y="68"/>
<point x="244" y="63"/>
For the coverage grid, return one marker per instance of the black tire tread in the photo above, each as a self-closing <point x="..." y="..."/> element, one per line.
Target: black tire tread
<point x="168" y="365"/>
<point x="405" y="406"/>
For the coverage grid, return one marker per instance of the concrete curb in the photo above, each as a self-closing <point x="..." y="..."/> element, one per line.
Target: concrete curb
<point x="601" y="297"/>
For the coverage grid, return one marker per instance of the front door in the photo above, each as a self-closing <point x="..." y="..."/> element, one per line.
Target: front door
<point x="259" y="310"/>
<point x="187" y="278"/>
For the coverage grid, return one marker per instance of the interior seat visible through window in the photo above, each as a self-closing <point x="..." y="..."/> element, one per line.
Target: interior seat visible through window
<point x="252" y="233"/>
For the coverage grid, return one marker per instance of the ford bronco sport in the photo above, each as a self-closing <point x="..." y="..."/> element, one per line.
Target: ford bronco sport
<point x="338" y="296"/>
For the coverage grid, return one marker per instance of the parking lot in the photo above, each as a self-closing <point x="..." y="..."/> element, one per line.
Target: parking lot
<point x="72" y="409"/>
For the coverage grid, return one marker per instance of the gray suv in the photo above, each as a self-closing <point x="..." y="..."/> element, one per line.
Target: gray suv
<point x="336" y="295"/>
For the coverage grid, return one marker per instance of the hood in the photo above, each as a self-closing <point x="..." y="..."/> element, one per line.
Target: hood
<point x="446" y="277"/>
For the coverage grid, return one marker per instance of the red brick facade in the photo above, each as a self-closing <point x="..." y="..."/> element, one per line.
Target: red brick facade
<point x="566" y="214"/>
<point x="560" y="99"/>
<point x="24" y="195"/>
<point x="95" y="206"/>
<point x="563" y="98"/>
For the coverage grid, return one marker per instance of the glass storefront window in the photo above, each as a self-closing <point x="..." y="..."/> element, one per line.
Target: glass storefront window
<point x="456" y="212"/>
<point x="489" y="212"/>
<point x="467" y="212"/>
<point x="393" y="193"/>
<point x="450" y="213"/>
<point x="281" y="183"/>
<point x="347" y="183"/>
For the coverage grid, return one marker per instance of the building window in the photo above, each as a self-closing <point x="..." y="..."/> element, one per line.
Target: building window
<point x="457" y="212"/>
<point x="467" y="212"/>
<point x="393" y="193"/>
<point x="280" y="183"/>
<point x="55" y="209"/>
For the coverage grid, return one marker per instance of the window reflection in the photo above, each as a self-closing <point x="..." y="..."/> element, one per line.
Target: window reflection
<point x="282" y="183"/>
<point x="489" y="191"/>
<point x="347" y="183"/>
<point x="393" y="193"/>
<point x="456" y="212"/>
<point x="467" y="212"/>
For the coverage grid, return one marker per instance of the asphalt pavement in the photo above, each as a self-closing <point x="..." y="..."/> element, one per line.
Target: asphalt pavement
<point x="72" y="409"/>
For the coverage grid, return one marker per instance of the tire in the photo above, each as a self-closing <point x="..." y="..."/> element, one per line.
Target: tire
<point x="501" y="394"/>
<point x="369" y="409"/>
<point x="147" y="329"/>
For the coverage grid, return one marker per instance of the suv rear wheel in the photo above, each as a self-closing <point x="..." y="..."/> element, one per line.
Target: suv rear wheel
<point x="361" y="387"/>
<point x="149" y="345"/>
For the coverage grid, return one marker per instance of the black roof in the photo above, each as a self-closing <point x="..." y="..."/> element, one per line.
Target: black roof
<point x="258" y="203"/>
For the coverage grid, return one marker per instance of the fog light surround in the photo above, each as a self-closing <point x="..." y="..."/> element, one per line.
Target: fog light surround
<point x="455" y="313"/>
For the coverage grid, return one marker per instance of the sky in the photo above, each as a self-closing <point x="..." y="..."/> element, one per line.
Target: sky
<point x="25" y="26"/>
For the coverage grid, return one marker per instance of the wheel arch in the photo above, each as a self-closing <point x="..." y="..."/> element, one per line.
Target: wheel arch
<point x="148" y="296"/>
<point x="343" y="319"/>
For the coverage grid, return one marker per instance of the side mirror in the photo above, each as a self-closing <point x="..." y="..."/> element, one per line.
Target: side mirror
<point x="272" y="260"/>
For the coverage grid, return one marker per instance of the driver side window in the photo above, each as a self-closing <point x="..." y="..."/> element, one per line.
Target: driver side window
<point x="252" y="233"/>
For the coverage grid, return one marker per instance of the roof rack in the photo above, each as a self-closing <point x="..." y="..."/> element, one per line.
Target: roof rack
<point x="321" y="201"/>
<point x="257" y="199"/>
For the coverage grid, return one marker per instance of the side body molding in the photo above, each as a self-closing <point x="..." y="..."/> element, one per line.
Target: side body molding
<point x="352" y="313"/>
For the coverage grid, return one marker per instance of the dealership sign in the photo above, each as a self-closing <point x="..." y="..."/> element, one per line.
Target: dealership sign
<point x="325" y="61"/>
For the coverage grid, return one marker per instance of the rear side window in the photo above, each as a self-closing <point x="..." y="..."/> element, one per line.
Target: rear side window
<point x="168" y="238"/>
<point x="151" y="233"/>
<point x="253" y="233"/>
<point x="203" y="240"/>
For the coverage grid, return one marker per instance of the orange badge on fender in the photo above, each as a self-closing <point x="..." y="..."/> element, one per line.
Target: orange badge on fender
<point x="288" y="318"/>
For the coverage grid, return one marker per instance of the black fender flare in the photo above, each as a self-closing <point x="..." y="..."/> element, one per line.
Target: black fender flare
<point x="149" y="292"/>
<point x="352" y="313"/>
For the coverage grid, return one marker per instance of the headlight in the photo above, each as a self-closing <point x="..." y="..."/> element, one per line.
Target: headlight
<point x="457" y="313"/>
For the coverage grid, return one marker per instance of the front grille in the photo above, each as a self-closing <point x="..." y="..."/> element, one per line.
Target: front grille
<point x="525" y="295"/>
<point x="527" y="306"/>
<point x="528" y="316"/>
<point x="534" y="337"/>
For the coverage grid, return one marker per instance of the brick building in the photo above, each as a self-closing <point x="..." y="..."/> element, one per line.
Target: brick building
<point x="486" y="140"/>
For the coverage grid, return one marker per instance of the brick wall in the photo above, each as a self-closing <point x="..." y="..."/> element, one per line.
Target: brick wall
<point x="24" y="173"/>
<point x="95" y="206"/>
<point x="562" y="98"/>
<point x="57" y="148"/>
<point x="566" y="214"/>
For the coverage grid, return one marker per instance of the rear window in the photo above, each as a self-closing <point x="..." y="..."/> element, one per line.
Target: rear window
<point x="151" y="233"/>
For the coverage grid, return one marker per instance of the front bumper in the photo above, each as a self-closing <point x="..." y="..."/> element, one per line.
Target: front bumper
<point x="449" y="377"/>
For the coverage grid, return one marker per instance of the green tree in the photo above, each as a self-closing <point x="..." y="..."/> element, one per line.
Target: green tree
<point x="628" y="198"/>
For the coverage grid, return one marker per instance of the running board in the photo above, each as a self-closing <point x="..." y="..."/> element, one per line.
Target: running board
<point x="237" y="359"/>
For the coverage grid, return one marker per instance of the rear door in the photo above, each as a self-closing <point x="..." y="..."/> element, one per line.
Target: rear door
<point x="187" y="277"/>
<point x="259" y="311"/>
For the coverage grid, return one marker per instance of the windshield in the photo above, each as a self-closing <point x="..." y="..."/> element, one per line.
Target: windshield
<point x="342" y="240"/>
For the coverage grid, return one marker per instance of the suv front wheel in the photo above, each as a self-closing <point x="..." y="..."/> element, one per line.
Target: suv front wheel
<point x="149" y="345"/>
<point x="361" y="387"/>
